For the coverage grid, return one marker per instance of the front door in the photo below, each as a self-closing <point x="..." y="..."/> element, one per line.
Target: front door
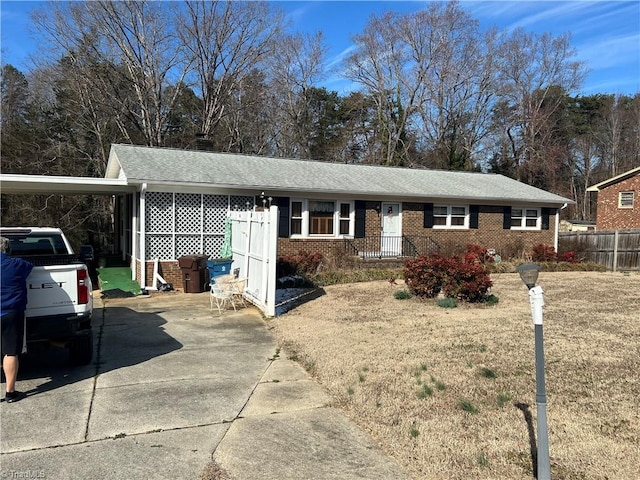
<point x="391" y="238"/>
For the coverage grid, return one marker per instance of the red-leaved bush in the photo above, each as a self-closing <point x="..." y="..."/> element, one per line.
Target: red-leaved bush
<point x="543" y="253"/>
<point x="476" y="253"/>
<point x="546" y="253"/>
<point x="570" y="257"/>
<point x="466" y="279"/>
<point x="300" y="264"/>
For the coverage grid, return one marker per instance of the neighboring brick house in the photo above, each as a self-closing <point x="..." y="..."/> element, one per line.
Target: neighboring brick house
<point x="618" y="204"/>
<point x="170" y="203"/>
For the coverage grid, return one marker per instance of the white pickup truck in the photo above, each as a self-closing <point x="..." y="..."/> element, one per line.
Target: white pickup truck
<point x="59" y="290"/>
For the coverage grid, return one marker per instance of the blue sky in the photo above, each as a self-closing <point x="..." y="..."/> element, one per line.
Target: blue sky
<point x="605" y="33"/>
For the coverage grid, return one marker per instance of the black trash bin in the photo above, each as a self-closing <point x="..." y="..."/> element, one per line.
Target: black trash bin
<point x="192" y="268"/>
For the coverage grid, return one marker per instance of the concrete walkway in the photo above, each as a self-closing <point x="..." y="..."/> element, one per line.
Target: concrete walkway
<point x="173" y="387"/>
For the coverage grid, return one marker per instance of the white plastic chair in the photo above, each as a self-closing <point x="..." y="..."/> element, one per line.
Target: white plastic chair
<point x="237" y="287"/>
<point x="222" y="296"/>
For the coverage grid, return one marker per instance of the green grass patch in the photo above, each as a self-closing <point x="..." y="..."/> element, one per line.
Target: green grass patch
<point x="425" y="392"/>
<point x="438" y="384"/>
<point x="448" y="302"/>
<point x="467" y="406"/>
<point x="488" y="373"/>
<point x="503" y="399"/>
<point x="402" y="295"/>
<point x="118" y="279"/>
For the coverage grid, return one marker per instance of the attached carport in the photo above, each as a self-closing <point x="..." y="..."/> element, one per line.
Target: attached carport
<point x="123" y="196"/>
<point x="129" y="228"/>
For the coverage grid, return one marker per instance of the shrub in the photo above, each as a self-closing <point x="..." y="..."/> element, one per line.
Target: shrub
<point x="303" y="263"/>
<point x="492" y="300"/>
<point x="447" y="302"/>
<point x="478" y="254"/>
<point x="546" y="253"/>
<point x="570" y="257"/>
<point x="465" y="280"/>
<point x="425" y="274"/>
<point x="543" y="253"/>
<point x="401" y="295"/>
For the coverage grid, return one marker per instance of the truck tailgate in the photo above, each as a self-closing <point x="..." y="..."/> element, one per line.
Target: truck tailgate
<point x="52" y="289"/>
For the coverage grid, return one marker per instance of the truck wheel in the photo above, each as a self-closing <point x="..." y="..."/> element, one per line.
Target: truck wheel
<point x="81" y="350"/>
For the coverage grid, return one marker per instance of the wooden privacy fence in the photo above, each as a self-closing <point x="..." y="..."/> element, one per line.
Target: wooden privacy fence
<point x="615" y="249"/>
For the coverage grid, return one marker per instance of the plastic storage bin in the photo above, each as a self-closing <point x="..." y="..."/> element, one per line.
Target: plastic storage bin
<point x="218" y="266"/>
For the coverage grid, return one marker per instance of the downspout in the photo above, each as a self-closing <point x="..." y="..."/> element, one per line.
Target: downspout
<point x="556" y="235"/>
<point x="142" y="237"/>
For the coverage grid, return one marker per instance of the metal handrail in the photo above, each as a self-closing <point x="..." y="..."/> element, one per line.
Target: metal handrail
<point x="378" y="246"/>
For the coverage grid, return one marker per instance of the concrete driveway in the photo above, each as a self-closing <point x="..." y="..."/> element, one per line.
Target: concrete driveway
<point x="173" y="386"/>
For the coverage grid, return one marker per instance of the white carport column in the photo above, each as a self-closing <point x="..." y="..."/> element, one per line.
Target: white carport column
<point x="556" y="233"/>
<point x="134" y="233"/>
<point x="142" y="237"/>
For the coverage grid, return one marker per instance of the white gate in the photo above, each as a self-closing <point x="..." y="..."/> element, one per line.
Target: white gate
<point x="254" y="243"/>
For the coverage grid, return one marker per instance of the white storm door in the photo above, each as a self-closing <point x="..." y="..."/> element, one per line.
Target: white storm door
<point x="391" y="238"/>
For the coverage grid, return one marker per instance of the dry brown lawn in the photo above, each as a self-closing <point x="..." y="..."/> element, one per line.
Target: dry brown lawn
<point x="401" y="368"/>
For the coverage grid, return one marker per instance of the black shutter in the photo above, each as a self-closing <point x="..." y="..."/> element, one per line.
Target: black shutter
<point x="545" y="218"/>
<point x="474" y="213"/>
<point x="506" y="220"/>
<point x="361" y="215"/>
<point x="428" y="215"/>
<point x="283" y="220"/>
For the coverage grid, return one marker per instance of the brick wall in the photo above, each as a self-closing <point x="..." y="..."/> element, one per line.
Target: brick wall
<point x="507" y="243"/>
<point x="169" y="270"/>
<point x="490" y="233"/>
<point x="609" y="215"/>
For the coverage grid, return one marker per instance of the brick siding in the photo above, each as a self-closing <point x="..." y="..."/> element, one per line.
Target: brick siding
<point x="490" y="234"/>
<point x="609" y="215"/>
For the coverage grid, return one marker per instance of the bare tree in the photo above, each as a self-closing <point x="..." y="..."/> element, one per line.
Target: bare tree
<point x="382" y="64"/>
<point x="133" y="54"/>
<point x="431" y="75"/>
<point x="248" y="123"/>
<point x="532" y="69"/>
<point x="225" y="40"/>
<point x="295" y="66"/>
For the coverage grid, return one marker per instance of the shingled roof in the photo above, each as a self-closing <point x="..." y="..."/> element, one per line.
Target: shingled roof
<point x="278" y="176"/>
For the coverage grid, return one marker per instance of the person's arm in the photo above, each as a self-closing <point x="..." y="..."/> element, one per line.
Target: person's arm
<point x="25" y="267"/>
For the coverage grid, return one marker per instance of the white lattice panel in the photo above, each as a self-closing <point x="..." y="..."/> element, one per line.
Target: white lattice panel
<point x="188" y="213"/>
<point x="188" y="245"/>
<point x="215" y="211"/>
<point x="198" y="221"/>
<point x="159" y="246"/>
<point x="159" y="212"/>
<point x="239" y="203"/>
<point x="213" y="245"/>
